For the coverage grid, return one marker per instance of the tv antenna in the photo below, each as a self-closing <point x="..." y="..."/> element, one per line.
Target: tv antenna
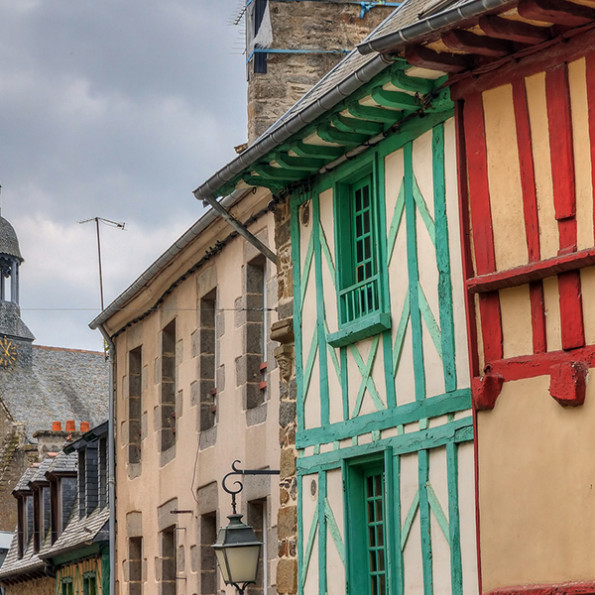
<point x="110" y="223"/>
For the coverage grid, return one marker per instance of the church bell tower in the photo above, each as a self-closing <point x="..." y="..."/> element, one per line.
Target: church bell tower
<point x="15" y="336"/>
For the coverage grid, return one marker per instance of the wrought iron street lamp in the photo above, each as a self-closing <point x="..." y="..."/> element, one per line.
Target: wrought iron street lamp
<point x="237" y="548"/>
<point x="238" y="552"/>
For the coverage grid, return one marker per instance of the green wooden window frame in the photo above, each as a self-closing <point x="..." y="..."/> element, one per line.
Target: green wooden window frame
<point x="67" y="586"/>
<point x="89" y="583"/>
<point x="360" y="293"/>
<point x="367" y="522"/>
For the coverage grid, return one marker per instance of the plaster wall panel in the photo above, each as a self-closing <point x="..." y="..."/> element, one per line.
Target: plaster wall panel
<point x="362" y="354"/>
<point x="309" y="537"/>
<point x="336" y="534"/>
<point x="551" y="298"/>
<point x="504" y="179"/>
<point x="582" y="152"/>
<point x="422" y="168"/>
<point x="468" y="532"/>
<point x="517" y="330"/>
<point x="412" y="550"/>
<point x="529" y="479"/>
<point x="329" y="297"/>
<point x="433" y="368"/>
<point x="312" y="396"/>
<point x="438" y="483"/>
<point x="540" y="143"/>
<point x="327" y="241"/>
<point x="454" y="245"/>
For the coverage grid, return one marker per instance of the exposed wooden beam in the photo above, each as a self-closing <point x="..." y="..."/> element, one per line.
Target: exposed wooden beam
<point x="355" y="125"/>
<point x="558" y="12"/>
<point x="445" y="62"/>
<point x="395" y="99"/>
<point x="321" y="151"/>
<point x="376" y="114"/>
<point x="332" y="135"/>
<point x="464" y="41"/>
<point x="309" y="164"/>
<point x="513" y="30"/>
<point x="279" y="174"/>
<point x="411" y="83"/>
<point x="273" y="186"/>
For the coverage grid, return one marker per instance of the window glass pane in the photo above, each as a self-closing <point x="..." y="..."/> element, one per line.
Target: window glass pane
<point x="374" y="495"/>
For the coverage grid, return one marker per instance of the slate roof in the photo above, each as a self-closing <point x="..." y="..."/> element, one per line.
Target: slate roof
<point x="9" y="243"/>
<point x="63" y="463"/>
<point x="60" y="384"/>
<point x="78" y="533"/>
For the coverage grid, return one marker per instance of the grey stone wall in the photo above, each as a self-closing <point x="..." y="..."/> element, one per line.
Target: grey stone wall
<point x="282" y="331"/>
<point x="320" y="26"/>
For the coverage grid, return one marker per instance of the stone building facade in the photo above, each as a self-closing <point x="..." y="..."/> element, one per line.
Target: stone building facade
<point x="196" y="388"/>
<point x="307" y="39"/>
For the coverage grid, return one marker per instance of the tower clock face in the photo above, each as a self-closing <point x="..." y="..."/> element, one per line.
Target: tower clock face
<point x="8" y="352"/>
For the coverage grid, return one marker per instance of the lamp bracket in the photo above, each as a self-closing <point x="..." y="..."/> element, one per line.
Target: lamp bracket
<point x="239" y="484"/>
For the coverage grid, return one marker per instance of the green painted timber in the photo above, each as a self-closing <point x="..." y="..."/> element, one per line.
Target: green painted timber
<point x="412" y="265"/>
<point x="355" y="125"/>
<point x="395" y="99"/>
<point x="310" y="164"/>
<point x="411" y="83"/>
<point x="331" y="134"/>
<point x="458" y="400"/>
<point x="374" y="114"/>
<point x="460" y="430"/>
<point x="443" y="261"/>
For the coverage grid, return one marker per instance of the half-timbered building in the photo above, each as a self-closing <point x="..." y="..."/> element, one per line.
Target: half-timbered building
<point x="522" y="75"/>
<point x="377" y="470"/>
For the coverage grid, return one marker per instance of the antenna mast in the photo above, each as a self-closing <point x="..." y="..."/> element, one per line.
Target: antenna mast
<point x="111" y="224"/>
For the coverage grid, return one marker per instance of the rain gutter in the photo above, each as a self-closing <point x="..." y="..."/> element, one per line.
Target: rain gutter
<point x="417" y="31"/>
<point x="274" y="137"/>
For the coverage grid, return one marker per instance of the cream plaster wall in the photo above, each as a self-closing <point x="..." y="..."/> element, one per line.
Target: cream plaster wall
<point x="173" y="479"/>
<point x="531" y="487"/>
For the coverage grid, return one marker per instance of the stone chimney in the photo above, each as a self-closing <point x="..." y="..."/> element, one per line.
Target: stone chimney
<point x="290" y="46"/>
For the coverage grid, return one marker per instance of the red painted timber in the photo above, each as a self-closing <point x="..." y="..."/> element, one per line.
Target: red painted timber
<point x="531" y="366"/>
<point x="569" y="46"/>
<point x="532" y="272"/>
<point x="538" y="317"/>
<point x="477" y="173"/>
<point x="571" y="310"/>
<point x="523" y="131"/>
<point x="590" y="76"/>
<point x="568" y="383"/>
<point x="561" y="149"/>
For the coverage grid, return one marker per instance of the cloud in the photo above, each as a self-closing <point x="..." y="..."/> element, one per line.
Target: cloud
<point x="111" y="109"/>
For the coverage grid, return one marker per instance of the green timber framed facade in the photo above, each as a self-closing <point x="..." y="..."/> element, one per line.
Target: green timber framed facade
<point x="382" y="480"/>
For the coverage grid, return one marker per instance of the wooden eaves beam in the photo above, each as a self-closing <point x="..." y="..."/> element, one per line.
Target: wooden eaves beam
<point x="465" y="41"/>
<point x="356" y="125"/>
<point x="513" y="30"/>
<point x="395" y="99"/>
<point x="443" y="61"/>
<point x="331" y="135"/>
<point x="376" y="114"/>
<point x="558" y="12"/>
<point x="320" y="151"/>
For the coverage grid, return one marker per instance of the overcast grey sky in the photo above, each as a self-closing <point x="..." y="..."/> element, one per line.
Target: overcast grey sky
<point x="115" y="109"/>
